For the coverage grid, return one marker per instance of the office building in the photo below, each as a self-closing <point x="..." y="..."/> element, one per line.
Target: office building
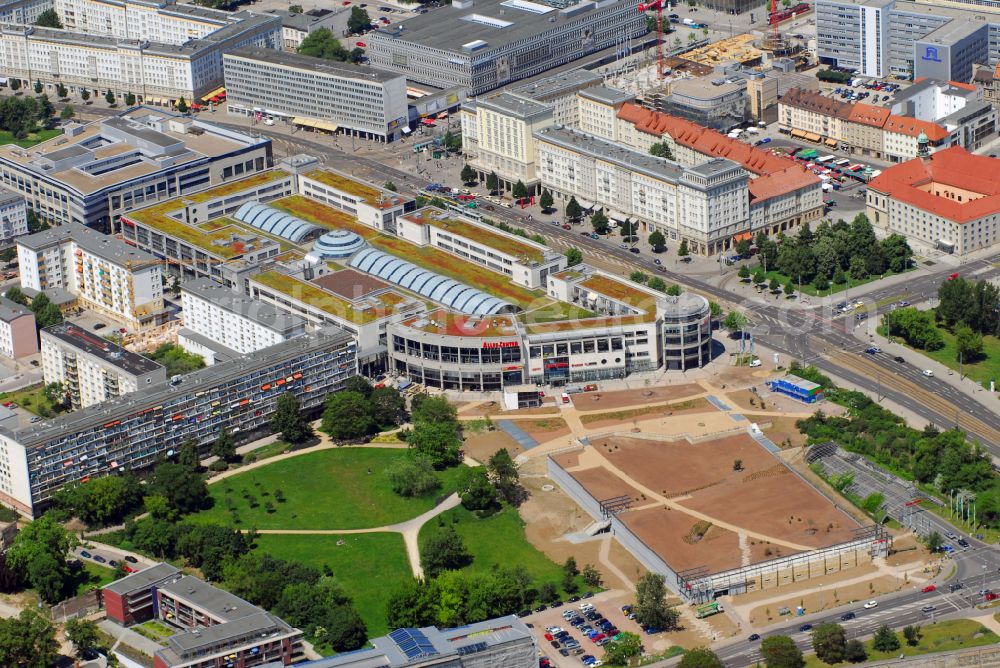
<point x="25" y="12"/>
<point x="781" y="193"/>
<point x="946" y="113"/>
<point x="705" y="204"/>
<point x="498" y="137"/>
<point x="312" y="92"/>
<point x="18" y="333"/>
<point x="156" y="72"/>
<point x="215" y="628"/>
<point x="559" y="90"/>
<point x="762" y="93"/>
<point x="216" y="317"/>
<point x="105" y="274"/>
<point x="137" y="430"/>
<point x="95" y="172"/>
<point x="13" y="215"/>
<point x="479" y="45"/>
<point x="92" y="369"/>
<point x="882" y="38"/>
<point x="504" y="641"/>
<point x="296" y="26"/>
<point x="947" y="200"/>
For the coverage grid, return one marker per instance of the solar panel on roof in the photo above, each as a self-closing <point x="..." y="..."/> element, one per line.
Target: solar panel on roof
<point x="471" y="649"/>
<point x="413" y="643"/>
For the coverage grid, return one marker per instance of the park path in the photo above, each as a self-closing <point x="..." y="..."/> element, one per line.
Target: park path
<point x="604" y="557"/>
<point x="410" y="530"/>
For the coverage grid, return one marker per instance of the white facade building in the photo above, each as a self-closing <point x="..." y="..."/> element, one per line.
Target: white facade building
<point x="92" y="369"/>
<point x="23" y="11"/>
<point x="104" y="273"/>
<point x="164" y="22"/>
<point x="231" y="319"/>
<point x="13" y="215"/>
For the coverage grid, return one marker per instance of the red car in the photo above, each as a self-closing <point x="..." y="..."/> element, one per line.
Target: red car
<point x="929" y="588"/>
<point x="599" y="636"/>
<point x="548" y="636"/>
<point x="361" y="44"/>
<point x="952" y="277"/>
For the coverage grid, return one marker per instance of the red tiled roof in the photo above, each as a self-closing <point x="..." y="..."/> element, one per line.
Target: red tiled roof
<point x="964" y="86"/>
<point x="912" y="127"/>
<point x="815" y="101"/>
<point x="868" y="114"/>
<point x="952" y="166"/>
<point x="776" y="175"/>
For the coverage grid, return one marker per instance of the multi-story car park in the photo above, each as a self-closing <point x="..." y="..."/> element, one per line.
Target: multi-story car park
<point x="139" y="429"/>
<point x="480" y="45"/>
<point x="92" y="370"/>
<point x="104" y="273"/>
<point x="95" y="172"/>
<point x="296" y="89"/>
<point x="156" y="72"/>
<point x="215" y="628"/>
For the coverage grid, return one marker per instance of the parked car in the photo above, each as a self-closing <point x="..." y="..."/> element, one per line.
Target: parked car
<point x="99" y="559"/>
<point x="85" y="554"/>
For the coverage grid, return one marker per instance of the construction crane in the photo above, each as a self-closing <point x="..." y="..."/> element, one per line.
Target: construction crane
<point x="658" y="6"/>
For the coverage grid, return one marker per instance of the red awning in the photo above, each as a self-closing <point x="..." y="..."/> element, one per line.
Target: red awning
<point x="743" y="236"/>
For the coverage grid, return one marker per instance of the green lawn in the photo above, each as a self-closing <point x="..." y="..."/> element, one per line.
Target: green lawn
<point x="809" y="289"/>
<point x="31" y="399"/>
<point x="499" y="540"/>
<point x="93" y="577"/>
<point x="938" y="637"/>
<point x="33" y="138"/>
<point x="346" y="488"/>
<point x="982" y="371"/>
<point x="368" y="566"/>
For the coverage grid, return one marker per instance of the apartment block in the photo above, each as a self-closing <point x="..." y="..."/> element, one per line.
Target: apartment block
<point x="23" y="11"/>
<point x="139" y="429"/>
<point x="13" y="215"/>
<point x="104" y="273"/>
<point x="91" y="369"/>
<point x="216" y="317"/>
<point x="95" y="172"/>
<point x="18" y="332"/>
<point x="215" y="627"/>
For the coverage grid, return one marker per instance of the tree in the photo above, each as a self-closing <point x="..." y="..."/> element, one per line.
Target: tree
<point x="829" y="641"/>
<point x="185" y="490"/>
<point x="295" y="9"/>
<point x="735" y="321"/>
<point x="101" y="501"/>
<point x="38" y="556"/>
<point x="854" y="651"/>
<point x="468" y="174"/>
<point x="182" y="105"/>
<point x="651" y="608"/>
<point x="323" y="44"/>
<point x="934" y="541"/>
<point x="224" y="447"/>
<point x="638" y="276"/>
<point x="8" y="254"/>
<point x="45" y="109"/>
<point x="444" y="550"/>
<point x="49" y="19"/>
<point x="15" y="294"/>
<point x="492" y="182"/>
<point x="83" y="634"/>
<point x="61" y="91"/>
<point x="85" y="94"/>
<point x="413" y="476"/>
<point x="700" y="657"/>
<point x="742" y="247"/>
<point x="439" y="442"/>
<point x="48" y="315"/>
<point x="674" y="290"/>
<point x="661" y="150"/>
<point x="389" y="185"/>
<point x="599" y="221"/>
<point x="519" y="190"/>
<point x="789" y="288"/>
<point x="885" y="640"/>
<point x="573" y="209"/>
<point x="969" y="343"/>
<point x="38" y="87"/>
<point x="288" y="421"/>
<point x="359" y="21"/>
<point x="682" y="250"/>
<point x="347" y="416"/>
<point x="912" y="635"/>
<point x="359" y="384"/>
<point x="658" y="284"/>
<point x="775" y="285"/>
<point x="15" y="84"/>
<point x="476" y="491"/>
<point x="628" y="230"/>
<point x="109" y="97"/>
<point x="67" y="113"/>
<point x="758" y="276"/>
<point x="433" y="409"/>
<point x="388" y="407"/>
<point x="591" y="576"/>
<point x="505" y="478"/>
<point x="629" y="645"/>
<point x="545" y="200"/>
<point x="28" y="641"/>
<point x="657" y="241"/>
<point x="781" y="652"/>
<point x="573" y="257"/>
<point x="744" y="273"/>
